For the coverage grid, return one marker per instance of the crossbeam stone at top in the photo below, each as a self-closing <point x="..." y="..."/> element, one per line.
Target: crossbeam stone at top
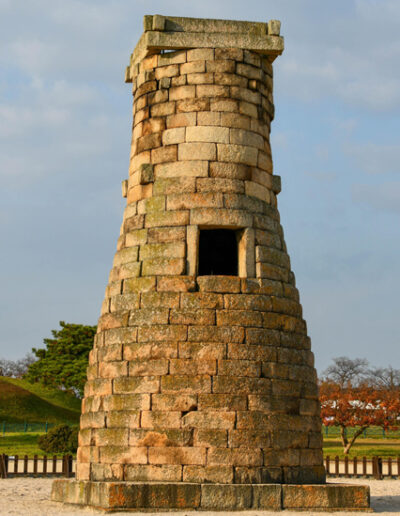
<point x="178" y="33"/>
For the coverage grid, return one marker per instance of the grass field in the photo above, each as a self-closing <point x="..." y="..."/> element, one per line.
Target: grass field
<point x="21" y="444"/>
<point x="21" y="401"/>
<point x="364" y="448"/>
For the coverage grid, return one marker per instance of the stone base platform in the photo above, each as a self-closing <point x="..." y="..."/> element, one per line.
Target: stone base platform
<point x="137" y="496"/>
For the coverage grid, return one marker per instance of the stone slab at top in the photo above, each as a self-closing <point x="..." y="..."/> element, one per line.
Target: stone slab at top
<point x="176" y="33"/>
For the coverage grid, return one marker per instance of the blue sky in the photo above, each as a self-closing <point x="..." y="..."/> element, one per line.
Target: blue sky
<point x="65" y="118"/>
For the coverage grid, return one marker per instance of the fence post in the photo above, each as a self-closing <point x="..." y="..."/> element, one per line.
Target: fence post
<point x="346" y="466"/>
<point x="327" y="464"/>
<point x="377" y="468"/>
<point x="3" y="466"/>
<point x="355" y="466"/>
<point x="336" y="466"/>
<point x="389" y="463"/>
<point x="65" y="466"/>
<point x="16" y="465"/>
<point x="69" y="466"/>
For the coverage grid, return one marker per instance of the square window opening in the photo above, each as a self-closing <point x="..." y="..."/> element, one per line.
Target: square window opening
<point x="218" y="252"/>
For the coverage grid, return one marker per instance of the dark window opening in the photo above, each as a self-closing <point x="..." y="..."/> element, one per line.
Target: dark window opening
<point x="218" y="252"/>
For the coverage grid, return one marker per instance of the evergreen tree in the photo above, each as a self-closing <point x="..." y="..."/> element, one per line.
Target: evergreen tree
<point x="63" y="362"/>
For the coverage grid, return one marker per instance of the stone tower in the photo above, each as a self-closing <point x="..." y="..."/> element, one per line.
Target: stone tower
<point x="201" y="385"/>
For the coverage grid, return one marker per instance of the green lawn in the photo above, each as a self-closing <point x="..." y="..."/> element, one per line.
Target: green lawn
<point x="363" y="448"/>
<point x="21" y="444"/>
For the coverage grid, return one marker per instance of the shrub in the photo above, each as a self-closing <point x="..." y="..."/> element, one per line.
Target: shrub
<point x="60" y="439"/>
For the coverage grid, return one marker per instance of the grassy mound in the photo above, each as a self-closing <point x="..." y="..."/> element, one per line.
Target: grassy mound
<point x="21" y="401"/>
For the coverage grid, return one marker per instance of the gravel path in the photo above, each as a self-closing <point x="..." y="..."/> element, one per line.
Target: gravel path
<point x="30" y="497"/>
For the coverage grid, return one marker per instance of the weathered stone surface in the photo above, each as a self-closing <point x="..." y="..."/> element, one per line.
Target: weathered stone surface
<point x="212" y="474"/>
<point x="238" y="154"/>
<point x="197" y="151"/>
<point x="175" y="135"/>
<point x="143" y="384"/>
<point x="328" y="496"/>
<point x="183" y="384"/>
<point x="226" y="497"/>
<point x="153" y="473"/>
<point x="267" y="497"/>
<point x="177" y="455"/>
<point x="181" y="120"/>
<point x="183" y="169"/>
<point x="183" y="402"/>
<point x="156" y="488"/>
<point x="206" y="133"/>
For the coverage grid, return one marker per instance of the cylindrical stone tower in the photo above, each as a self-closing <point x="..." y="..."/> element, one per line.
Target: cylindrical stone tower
<point x="201" y="373"/>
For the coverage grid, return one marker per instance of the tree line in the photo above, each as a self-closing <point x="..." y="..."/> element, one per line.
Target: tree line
<point x="62" y="363"/>
<point x="355" y="395"/>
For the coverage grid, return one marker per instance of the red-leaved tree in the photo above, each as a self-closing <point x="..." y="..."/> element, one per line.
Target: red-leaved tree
<point x="358" y="407"/>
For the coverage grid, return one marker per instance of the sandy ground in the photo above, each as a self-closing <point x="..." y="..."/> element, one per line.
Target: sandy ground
<point x="30" y="497"/>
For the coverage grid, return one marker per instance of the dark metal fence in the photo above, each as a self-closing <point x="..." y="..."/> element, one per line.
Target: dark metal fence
<point x="6" y="427"/>
<point x="371" y="432"/>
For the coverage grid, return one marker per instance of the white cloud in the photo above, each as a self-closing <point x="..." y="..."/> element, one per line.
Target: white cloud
<point x="44" y="106"/>
<point x="88" y="16"/>
<point x="382" y="197"/>
<point x="378" y="11"/>
<point x="351" y="56"/>
<point x="374" y="158"/>
<point x="58" y="127"/>
<point x="32" y="55"/>
<point x="345" y="124"/>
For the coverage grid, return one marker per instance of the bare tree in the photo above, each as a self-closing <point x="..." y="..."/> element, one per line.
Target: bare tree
<point x="6" y="367"/>
<point x="345" y="370"/>
<point x="384" y="378"/>
<point x="16" y="368"/>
